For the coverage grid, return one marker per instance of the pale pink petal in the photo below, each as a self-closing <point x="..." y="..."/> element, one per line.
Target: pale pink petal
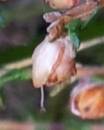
<point x="64" y="70"/>
<point x="52" y="16"/>
<point x="52" y="25"/>
<point x="64" y="66"/>
<point x="43" y="57"/>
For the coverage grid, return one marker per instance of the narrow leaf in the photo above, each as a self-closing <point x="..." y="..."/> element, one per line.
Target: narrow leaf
<point x="74" y="38"/>
<point x="72" y="31"/>
<point x="18" y="74"/>
<point x="85" y="22"/>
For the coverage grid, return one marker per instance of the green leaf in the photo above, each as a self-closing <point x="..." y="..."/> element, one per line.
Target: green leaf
<point x="74" y="38"/>
<point x="72" y="28"/>
<point x="18" y="74"/>
<point x="85" y="22"/>
<point x="75" y="23"/>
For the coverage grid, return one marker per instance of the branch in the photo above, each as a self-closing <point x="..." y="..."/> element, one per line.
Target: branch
<point x="19" y="64"/>
<point x="90" y="43"/>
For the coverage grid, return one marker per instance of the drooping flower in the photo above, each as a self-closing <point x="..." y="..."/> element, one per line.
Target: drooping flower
<point x="87" y="100"/>
<point x="53" y="62"/>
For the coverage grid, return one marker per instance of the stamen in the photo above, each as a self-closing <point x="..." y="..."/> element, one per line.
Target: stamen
<point x="42" y="107"/>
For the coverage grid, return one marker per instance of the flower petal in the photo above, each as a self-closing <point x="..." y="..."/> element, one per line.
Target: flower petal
<point x="44" y="57"/>
<point x="64" y="67"/>
<point x="52" y="16"/>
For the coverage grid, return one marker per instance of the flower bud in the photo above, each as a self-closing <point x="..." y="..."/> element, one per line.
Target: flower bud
<point x="63" y="4"/>
<point x="53" y="62"/>
<point x="87" y="100"/>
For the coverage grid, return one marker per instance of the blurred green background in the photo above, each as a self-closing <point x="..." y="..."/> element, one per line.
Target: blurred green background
<point x="22" y="29"/>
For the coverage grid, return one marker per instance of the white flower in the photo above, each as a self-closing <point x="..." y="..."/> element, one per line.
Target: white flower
<point x="53" y="62"/>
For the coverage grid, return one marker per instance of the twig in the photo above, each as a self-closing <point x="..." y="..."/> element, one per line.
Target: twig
<point x="17" y="65"/>
<point x="9" y="125"/>
<point x="91" y="43"/>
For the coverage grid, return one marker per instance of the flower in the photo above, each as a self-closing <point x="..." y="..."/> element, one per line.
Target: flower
<point x="64" y="4"/>
<point x="87" y="100"/>
<point x="53" y="62"/>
